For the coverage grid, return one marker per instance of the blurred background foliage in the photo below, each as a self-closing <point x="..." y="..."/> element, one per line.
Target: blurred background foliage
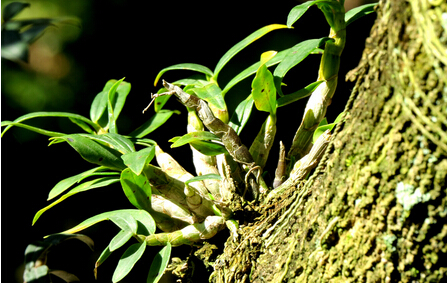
<point x="69" y="64"/>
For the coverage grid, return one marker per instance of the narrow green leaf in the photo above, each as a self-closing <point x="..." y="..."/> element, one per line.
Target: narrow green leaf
<point x="302" y="93"/>
<point x="104" y="255"/>
<point x="264" y="91"/>
<point x="125" y="221"/>
<point x="242" y="44"/>
<point x="208" y="148"/>
<point x="153" y="123"/>
<point x="212" y="94"/>
<point x="358" y="12"/>
<point x="119" y="240"/>
<point x="323" y="127"/>
<point x="295" y="55"/>
<point x="128" y="260"/>
<point x="33" y="129"/>
<point x="159" y="264"/>
<point x="141" y="216"/>
<point x="137" y="189"/>
<point x="94" y="152"/>
<point x="82" y="125"/>
<point x="99" y="104"/>
<point x="241" y="114"/>
<point x="204" y="177"/>
<point x="299" y="10"/>
<point x="114" y="141"/>
<point x="111" y="101"/>
<point x="68" y="182"/>
<point x="195" y="136"/>
<point x="137" y="160"/>
<point x="12" y="9"/>
<point x="50" y="114"/>
<point x="97" y="183"/>
<point x="185" y="66"/>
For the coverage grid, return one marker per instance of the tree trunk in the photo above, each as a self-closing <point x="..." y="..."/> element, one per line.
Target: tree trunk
<point x="375" y="209"/>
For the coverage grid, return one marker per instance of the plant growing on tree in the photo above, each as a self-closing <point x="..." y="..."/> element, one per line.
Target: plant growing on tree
<point x="190" y="209"/>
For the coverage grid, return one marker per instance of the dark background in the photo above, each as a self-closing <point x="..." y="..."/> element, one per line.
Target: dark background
<point x="133" y="39"/>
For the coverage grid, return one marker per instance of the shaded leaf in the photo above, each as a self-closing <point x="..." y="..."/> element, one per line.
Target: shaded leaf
<point x="82" y="125"/>
<point x="137" y="160"/>
<point x="97" y="183"/>
<point x="159" y="264"/>
<point x="153" y="123"/>
<point x="208" y="148"/>
<point x="141" y="216"/>
<point x="302" y="93"/>
<point x="12" y="9"/>
<point x="128" y="260"/>
<point x="185" y="66"/>
<point x="241" y="114"/>
<point x="137" y="189"/>
<point x="194" y="136"/>
<point x="358" y="12"/>
<point x="242" y="44"/>
<point x="93" y="152"/>
<point x="104" y="255"/>
<point x="64" y="275"/>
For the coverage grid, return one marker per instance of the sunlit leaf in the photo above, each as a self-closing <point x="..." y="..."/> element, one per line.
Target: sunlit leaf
<point x="208" y="148"/>
<point x="241" y="114"/>
<point x="302" y="93"/>
<point x="111" y="101"/>
<point x="137" y="160"/>
<point x="323" y="127"/>
<point x="295" y="55"/>
<point x="125" y="221"/>
<point x="142" y="216"/>
<point x="263" y="88"/>
<point x="358" y="12"/>
<point x="204" y="177"/>
<point x="68" y="182"/>
<point x="242" y="44"/>
<point x="185" y="66"/>
<point x="299" y="10"/>
<point x="212" y="94"/>
<point x="194" y="136"/>
<point x="97" y="183"/>
<point x="99" y="104"/>
<point x="114" y="141"/>
<point x="49" y="114"/>
<point x="128" y="260"/>
<point x="82" y="125"/>
<point x="104" y="255"/>
<point x="12" y="9"/>
<point x="137" y="189"/>
<point x="120" y="239"/>
<point x="33" y="129"/>
<point x="159" y="264"/>
<point x="94" y="152"/>
<point x="153" y="123"/>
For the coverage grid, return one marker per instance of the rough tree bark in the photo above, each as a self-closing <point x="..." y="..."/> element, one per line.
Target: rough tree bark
<point x="375" y="209"/>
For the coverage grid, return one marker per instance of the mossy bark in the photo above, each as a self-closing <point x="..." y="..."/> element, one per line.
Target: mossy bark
<point x="375" y="210"/>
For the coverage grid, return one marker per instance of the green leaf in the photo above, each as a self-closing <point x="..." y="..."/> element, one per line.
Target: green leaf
<point x="185" y="66"/>
<point x="153" y="123"/>
<point x="358" y="12"/>
<point x="82" y="125"/>
<point x="114" y="141"/>
<point x="204" y="177"/>
<point x="194" y="136"/>
<point x="99" y="104"/>
<point x="159" y="264"/>
<point x="111" y="101"/>
<point x="68" y="182"/>
<point x="97" y="183"/>
<point x="295" y="55"/>
<point x="104" y="255"/>
<point x="33" y="129"/>
<point x="119" y="240"/>
<point x="302" y="93"/>
<point x="142" y="216"/>
<point x="242" y="44"/>
<point x="298" y="11"/>
<point x="94" y="152"/>
<point x="128" y="260"/>
<point x="253" y="69"/>
<point x="12" y="9"/>
<point x="137" y="160"/>
<point x="137" y="189"/>
<point x="212" y="94"/>
<point x="125" y="221"/>
<point x="323" y="127"/>
<point x="208" y="148"/>
<point x="264" y="91"/>
<point x="49" y="114"/>
<point x="241" y="114"/>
